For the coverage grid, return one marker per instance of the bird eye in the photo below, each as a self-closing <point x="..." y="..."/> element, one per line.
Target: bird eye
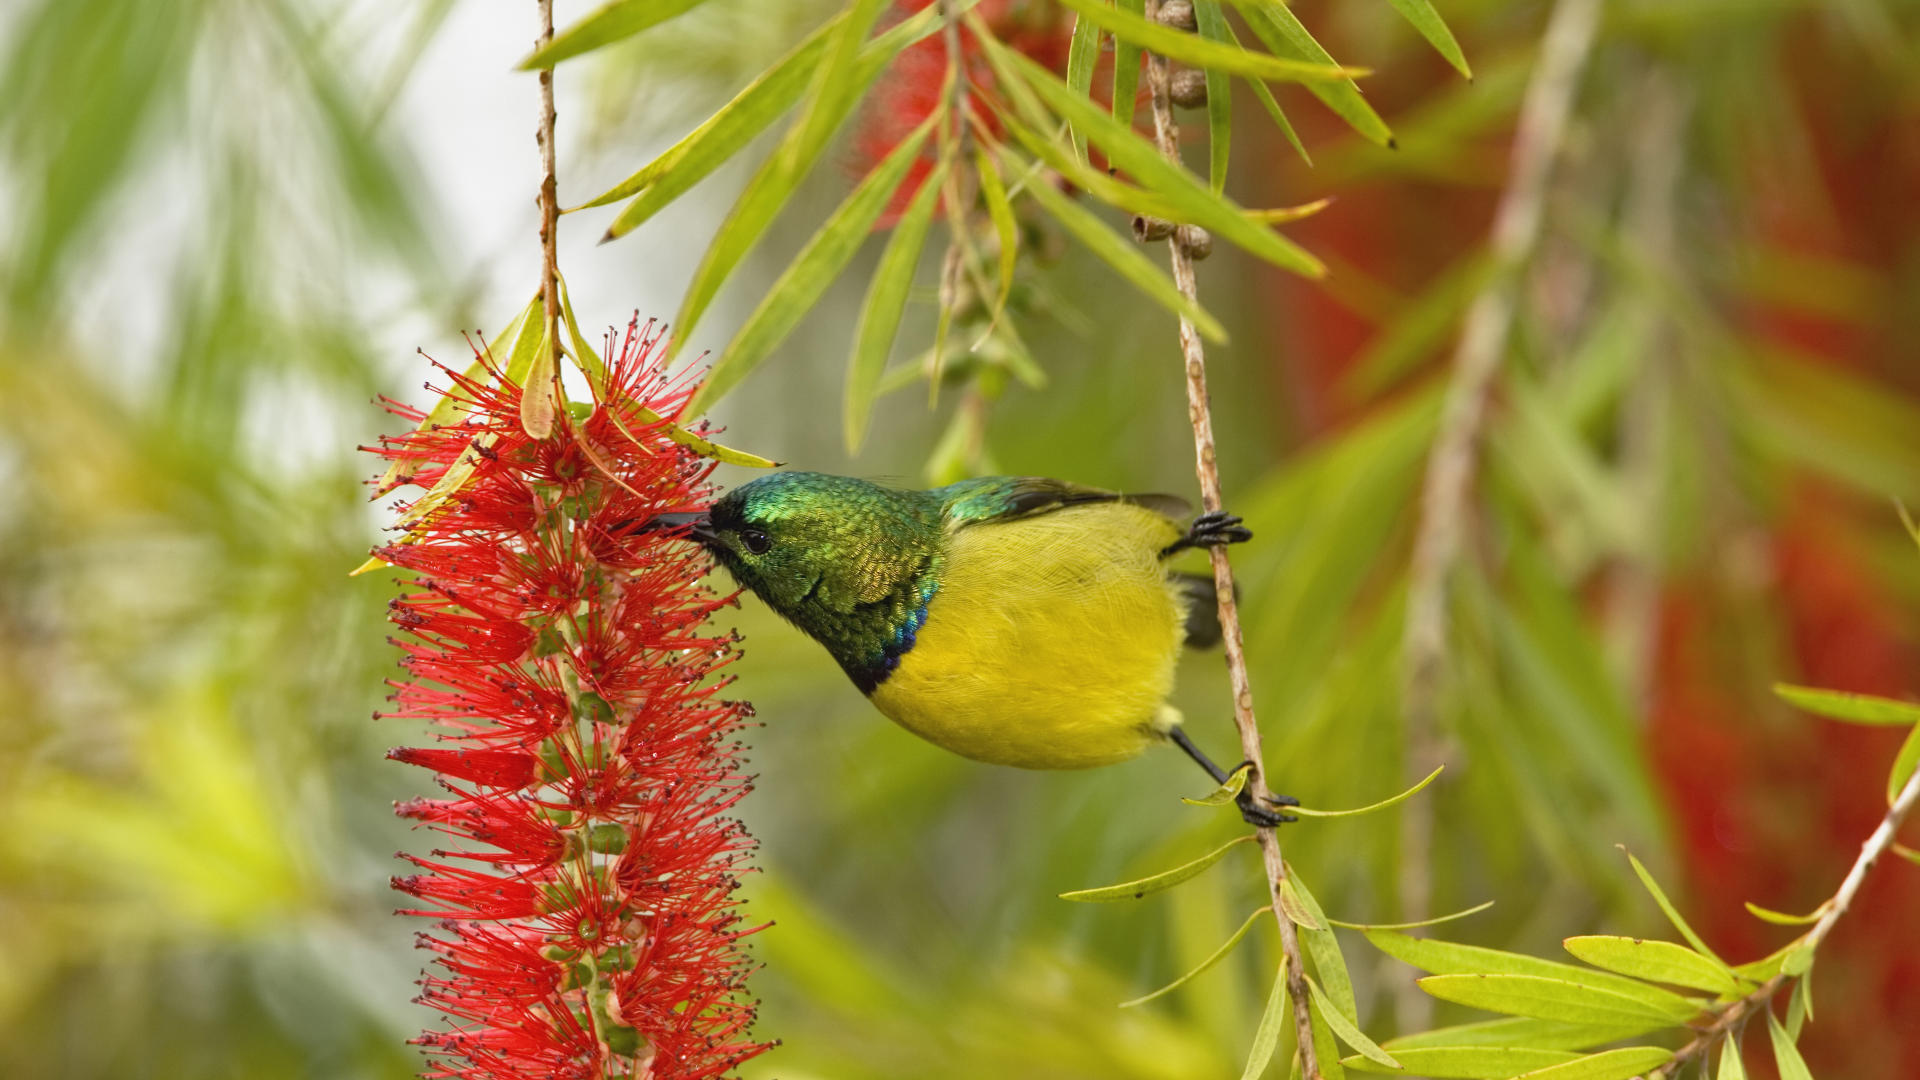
<point x="756" y="541"/>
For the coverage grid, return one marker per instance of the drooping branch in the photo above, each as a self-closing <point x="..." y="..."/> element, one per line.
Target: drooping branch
<point x="539" y="420"/>
<point x="1443" y="509"/>
<point x="1199" y="415"/>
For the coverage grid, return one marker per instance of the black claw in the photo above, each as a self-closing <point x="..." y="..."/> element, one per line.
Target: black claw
<point x="1214" y="529"/>
<point x="1283" y="800"/>
<point x="1259" y="816"/>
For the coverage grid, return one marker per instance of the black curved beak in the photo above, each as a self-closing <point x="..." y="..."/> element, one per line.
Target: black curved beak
<point x="698" y="526"/>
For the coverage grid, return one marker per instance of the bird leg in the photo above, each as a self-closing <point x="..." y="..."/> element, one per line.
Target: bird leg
<point x="1213" y="529"/>
<point x="1252" y="812"/>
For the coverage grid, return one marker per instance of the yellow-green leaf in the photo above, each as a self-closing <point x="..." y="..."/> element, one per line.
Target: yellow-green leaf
<point x="1906" y="853"/>
<point x="1283" y="33"/>
<point x="1523" y="1032"/>
<point x="1904" y="764"/>
<point x="1134" y="890"/>
<point x="1212" y="26"/>
<point x="886" y="301"/>
<point x="1196" y="51"/>
<point x="1216" y="956"/>
<point x="1731" y="1067"/>
<point x="1266" y="1037"/>
<point x="609" y="23"/>
<point x="1083" y="55"/>
<point x="1781" y="918"/>
<point x="1000" y="211"/>
<point x="1127" y="150"/>
<point x="1785" y="1055"/>
<point x="537" y="395"/>
<point x="1435" y="921"/>
<point x="1381" y="805"/>
<point x="1450" y="958"/>
<point x="1126" y="70"/>
<point x="1466" y="1062"/>
<point x="1853" y="708"/>
<point x="1227" y="792"/>
<point x="1273" y="108"/>
<point x="1280" y="215"/>
<point x="1673" y="913"/>
<point x="799" y="288"/>
<point x="1560" y="999"/>
<point x="1295" y="909"/>
<point x="1606" y="1065"/>
<point x="1324" y="948"/>
<point x="1347" y="1030"/>
<point x="1426" y="20"/>
<point x="1655" y="961"/>
<point x="1125" y="258"/>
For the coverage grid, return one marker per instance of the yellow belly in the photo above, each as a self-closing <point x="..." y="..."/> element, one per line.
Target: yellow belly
<point x="1051" y="643"/>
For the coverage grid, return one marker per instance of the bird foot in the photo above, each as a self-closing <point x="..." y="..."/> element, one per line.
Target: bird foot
<point x="1214" y="529"/>
<point x="1253" y="813"/>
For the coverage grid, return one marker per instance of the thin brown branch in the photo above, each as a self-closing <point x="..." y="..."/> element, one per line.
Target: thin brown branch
<point x="1734" y="1013"/>
<point x="549" y="216"/>
<point x="1483" y="339"/>
<point x="1199" y="415"/>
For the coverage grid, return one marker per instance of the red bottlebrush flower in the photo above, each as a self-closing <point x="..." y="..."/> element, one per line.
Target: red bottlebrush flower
<point x="589" y="930"/>
<point x="910" y="90"/>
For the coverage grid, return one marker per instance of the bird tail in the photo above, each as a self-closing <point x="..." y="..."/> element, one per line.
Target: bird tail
<point x="1203" y="608"/>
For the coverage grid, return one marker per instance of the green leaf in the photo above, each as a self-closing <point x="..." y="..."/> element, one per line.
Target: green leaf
<point x="1348" y="1031"/>
<point x="1731" y="1067"/>
<point x="1435" y="921"/>
<point x="1212" y="26"/>
<point x="1853" y="708"/>
<point x="1799" y="1005"/>
<point x="799" y="288"/>
<point x="1381" y="805"/>
<point x="1759" y="971"/>
<point x="1799" y="958"/>
<point x="1083" y="55"/>
<point x="1134" y="890"/>
<point x="770" y="188"/>
<point x="1326" y="1051"/>
<point x="1295" y="909"/>
<point x="1426" y="20"/>
<point x="886" y="301"/>
<point x="1266" y="1037"/>
<point x="1142" y="160"/>
<point x="1200" y="52"/>
<point x="1606" y="1065"/>
<point x="1779" y="918"/>
<point x="726" y="132"/>
<point x="1215" y="957"/>
<point x="1559" y="999"/>
<point x="1906" y="853"/>
<point x="1785" y="1056"/>
<point x="1904" y="764"/>
<point x="1005" y="229"/>
<point x="610" y="23"/>
<point x="1523" y="1032"/>
<point x="1655" y="961"/>
<point x="1324" y="948"/>
<point x="1126" y="70"/>
<point x="1280" y="29"/>
<point x="1227" y="792"/>
<point x="1673" y="913"/>
<point x="1273" y="107"/>
<point x="1095" y="182"/>
<point x="1124" y="258"/>
<point x="1467" y="1062"/>
<point x="1448" y="958"/>
<point x="449" y="408"/>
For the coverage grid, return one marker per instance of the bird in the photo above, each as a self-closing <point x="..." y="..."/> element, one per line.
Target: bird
<point x="1014" y="620"/>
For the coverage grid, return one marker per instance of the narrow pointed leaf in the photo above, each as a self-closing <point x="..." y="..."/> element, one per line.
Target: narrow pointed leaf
<point x="1006" y="230"/>
<point x="1199" y="52"/>
<point x="1673" y="913"/>
<point x="1095" y="182"/>
<point x="1277" y="26"/>
<point x="1296" y="910"/>
<point x="1618" y="1064"/>
<point x="1449" y="958"/>
<point x="1082" y="56"/>
<point x="1426" y="20"/>
<point x="1781" y="918"/>
<point x="1786" y="1057"/>
<point x="1266" y="1037"/>
<point x="1381" y="805"/>
<point x="1283" y="214"/>
<point x="1126" y="70"/>
<point x="448" y="408"/>
<point x="1466" y="1062"/>
<point x="1853" y="708"/>
<point x="1212" y="26"/>
<point x="1435" y="921"/>
<point x="800" y="287"/>
<point x="610" y="23"/>
<point x="1228" y="791"/>
<point x="1140" y="159"/>
<point x="1268" y="103"/>
<point x="1906" y="853"/>
<point x="1214" y="958"/>
<point x="1655" y="961"/>
<point x="1324" y="948"/>
<point x="1348" y="1031"/>
<point x="1799" y="1009"/>
<point x="1326" y="1049"/>
<point x="1731" y="1067"/>
<point x="886" y="301"/>
<point x="1125" y="259"/>
<point x="1523" y="1032"/>
<point x="537" y="394"/>
<point x="1559" y="999"/>
<point x="1904" y="765"/>
<point x="1759" y="971"/>
<point x="1134" y="890"/>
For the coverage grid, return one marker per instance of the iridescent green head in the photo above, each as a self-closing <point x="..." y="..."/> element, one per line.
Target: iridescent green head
<point x="851" y="563"/>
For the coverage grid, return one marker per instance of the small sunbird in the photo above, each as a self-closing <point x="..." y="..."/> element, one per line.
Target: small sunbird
<point x="1012" y="620"/>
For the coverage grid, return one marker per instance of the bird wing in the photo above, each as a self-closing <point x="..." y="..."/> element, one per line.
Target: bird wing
<point x="1005" y="498"/>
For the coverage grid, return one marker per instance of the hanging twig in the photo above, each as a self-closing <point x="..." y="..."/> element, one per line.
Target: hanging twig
<point x="1199" y="415"/>
<point x="539" y="420"/>
<point x="1483" y="339"/>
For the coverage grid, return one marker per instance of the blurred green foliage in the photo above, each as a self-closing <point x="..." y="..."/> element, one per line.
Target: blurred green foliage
<point x="194" y="823"/>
